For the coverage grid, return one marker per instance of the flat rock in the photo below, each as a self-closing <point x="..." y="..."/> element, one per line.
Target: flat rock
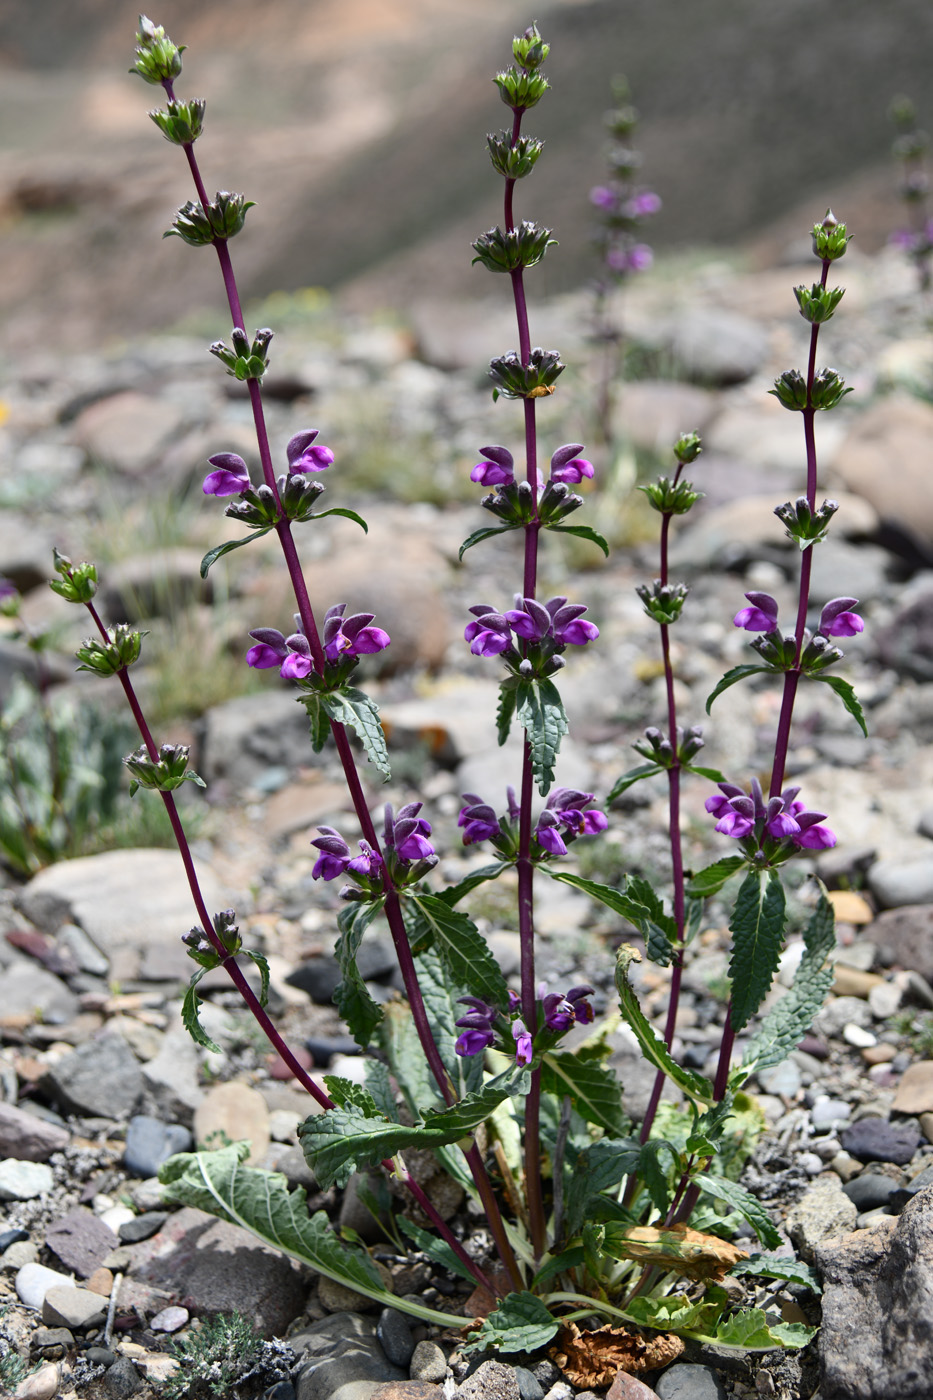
<point x="915" y="1090"/>
<point x="877" y="1304"/>
<point x="823" y="1212"/>
<point x="80" y="1240"/>
<point x="877" y="1140"/>
<point x="27" y="1137"/>
<point x="491" y="1381"/>
<point x="27" y="988"/>
<point x="77" y="1308"/>
<point x="240" y="740"/>
<point x="157" y="584"/>
<point x="43" y="1384"/>
<point x="654" y="412"/>
<point x="170" y="1080"/>
<point x="24" y="1181"/>
<point x="896" y="428"/>
<point x="100" y="1078"/>
<point x="127" y="430"/>
<point x="715" y="347"/>
<point x="33" y="1281"/>
<point x="906" y="934"/>
<point x="626" y="1387"/>
<point x="235" y="1112"/>
<point x="210" y="1267"/>
<point x="895" y="883"/>
<point x="686" y="1381"/>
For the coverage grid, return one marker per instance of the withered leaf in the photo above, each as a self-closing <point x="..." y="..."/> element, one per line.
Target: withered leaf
<point x="592" y="1359"/>
<point x="680" y="1250"/>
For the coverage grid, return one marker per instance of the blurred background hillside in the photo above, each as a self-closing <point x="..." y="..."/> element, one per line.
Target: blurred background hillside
<point x="358" y="127"/>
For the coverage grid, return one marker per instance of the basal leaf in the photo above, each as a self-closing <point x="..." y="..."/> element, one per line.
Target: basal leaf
<point x="435" y="1248"/>
<point x="787" y="1022"/>
<point x="744" y="1202"/>
<point x="848" y="697"/>
<point x="190" y="1017"/>
<point x="738" y="673"/>
<point x="505" y="711"/>
<point x="219" y="550"/>
<point x="351" y="998"/>
<point x="540" y="711"/>
<point x="713" y="877"/>
<point x="757" y="929"/>
<point x="780" y="1266"/>
<point x="695" y="1086"/>
<point x="485" y="533"/>
<point x="675" y="1313"/>
<point x="521" y="1322"/>
<point x="462" y="949"/>
<point x="342" y="1140"/>
<point x="634" y="775"/>
<point x="751" y="1331"/>
<point x="583" y="532"/>
<point x="597" y="1168"/>
<point x="593" y="1089"/>
<point x="650" y="1169"/>
<point x="260" y="1201"/>
<point x="263" y="966"/>
<point x="347" y="515"/>
<point x="353" y="708"/>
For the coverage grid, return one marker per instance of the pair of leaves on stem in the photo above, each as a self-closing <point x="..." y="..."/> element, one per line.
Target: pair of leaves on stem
<point x="841" y="687"/>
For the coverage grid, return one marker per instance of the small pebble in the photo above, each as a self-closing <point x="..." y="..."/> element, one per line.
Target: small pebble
<point x="8" y="1237"/>
<point x="811" y="1163"/>
<point x="41" y="1385"/>
<point x="829" y="1113"/>
<point x="428" y="1363"/>
<point x="24" y="1181"/>
<point x="880" y="1054"/>
<point x="858" y="1036"/>
<point x="529" y="1387"/>
<point x="169" y="1319"/>
<point x="100" y="1356"/>
<point x="122" y="1379"/>
<point x="33" y="1282"/>
<point x="23" y="1252"/>
<point x="101" y="1281"/>
<point x="394" y="1333"/>
<point x="142" y="1227"/>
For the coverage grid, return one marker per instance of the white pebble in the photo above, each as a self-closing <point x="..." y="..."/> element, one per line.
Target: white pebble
<point x="811" y="1163"/>
<point x="41" y="1385"/>
<point x="857" y="1036"/>
<point x="33" y="1281"/>
<point x="117" y="1216"/>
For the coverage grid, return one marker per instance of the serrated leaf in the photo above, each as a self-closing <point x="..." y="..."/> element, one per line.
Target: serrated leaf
<point x="693" y="918"/>
<point x="594" y="1090"/>
<point x="677" y="1313"/>
<point x="346" y="1093"/>
<point x="521" y="1322"/>
<point x="540" y="711"/>
<point x="696" y="1087"/>
<point x="652" y="1173"/>
<point x="454" y="893"/>
<point x="750" y="1331"/>
<point x="354" y="708"/>
<point x="748" y="1206"/>
<point x="212" y="555"/>
<point x="398" y="1038"/>
<point x="634" y="775"/>
<point x="787" y="1022"/>
<point x="351" y="997"/>
<point x="713" y="877"/>
<point x="190" y="1018"/>
<point x="597" y="1168"/>
<point x="437" y="1249"/>
<point x="440" y="994"/>
<point x="342" y="1140"/>
<point x="713" y="774"/>
<point x="505" y="710"/>
<point x="583" y="532"/>
<point x="485" y="533"/>
<point x="738" y="673"/>
<point x="318" y="719"/>
<point x="347" y="515"/>
<point x="780" y="1266"/>
<point x="263" y="966"/>
<point x="380" y="1087"/>
<point x="461" y="947"/>
<point x="757" y="928"/>
<point x="848" y="697"/>
<point x="638" y="903"/>
<point x="259" y="1201"/>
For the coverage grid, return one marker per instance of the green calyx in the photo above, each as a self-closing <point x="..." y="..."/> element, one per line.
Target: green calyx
<point x="830" y="239"/>
<point x="524" y="246"/>
<point x="671" y="498"/>
<point x="817" y="303"/>
<point x="163" y="774"/>
<point x="513" y="380"/>
<point x="520" y="89"/>
<point x="247" y="360"/>
<point x="116" y="654"/>
<point x="158" y="60"/>
<point x="223" y="218"/>
<point x="828" y="389"/>
<point x="78" y="582"/>
<point x="181" y="122"/>
<point x="513" y="160"/>
<point x="664" y="602"/>
<point x="529" y="50"/>
<point x="804" y="526"/>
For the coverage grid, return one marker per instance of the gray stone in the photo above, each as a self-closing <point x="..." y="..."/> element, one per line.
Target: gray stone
<point x="529" y="1387"/>
<point x="121" y="1379"/>
<point x="895" y="428"/>
<point x="823" y="1212"/>
<point x="127" y="430"/>
<point x="170" y="1080"/>
<point x="654" y="412"/>
<point x="848" y="571"/>
<point x="169" y="1319"/>
<point x="24" y="1181"/>
<point x="320" y="976"/>
<point x="877" y="1304"/>
<point x="149" y="1142"/>
<point x="783" y="1079"/>
<point x="28" y="1138"/>
<point x="715" y="347"/>
<point x="840" y="1012"/>
<point x="80" y="1240"/>
<point x="870" y="1190"/>
<point x="354" y="1213"/>
<point x="896" y="883"/>
<point x="829" y="1114"/>
<point x="33" y="1281"/>
<point x="491" y="1381"/>
<point x="25" y="551"/>
<point x="342" y="1377"/>
<point x="686" y="1381"/>
<point x="328" y="1334"/>
<point x="428" y="1363"/>
<point x="77" y="1308"/>
<point x="28" y="987"/>
<point x="237" y="742"/>
<point x="906" y="935"/>
<point x="159" y="584"/>
<point x="72" y="939"/>
<point x="18" y="1254"/>
<point x="100" y="1078"/>
<point x="394" y="1333"/>
<point x="142" y="1227"/>
<point x="877" y="1140"/>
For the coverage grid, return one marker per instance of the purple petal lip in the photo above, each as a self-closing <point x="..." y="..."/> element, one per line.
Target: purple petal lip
<point x="574" y="472"/>
<point x="500" y="455"/>
<point x="303" y="457"/>
<point x="263" y="657"/>
<point x="491" y="474"/>
<point x="837" y="619"/>
<point x="224" y="482"/>
<point x="473" y="1041"/>
<point x="603" y="197"/>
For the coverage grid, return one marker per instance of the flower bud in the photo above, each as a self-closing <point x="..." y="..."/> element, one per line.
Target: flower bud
<point x="163" y="774"/>
<point x="116" y="654"/>
<point x="663" y="602"/>
<point x="529" y="50"/>
<point x="829" y="238"/>
<point x="514" y="380"/>
<point x="223" y="218"/>
<point x="181" y="122"/>
<point x="818" y="303"/>
<point x="791" y="389"/>
<point x="669" y="498"/>
<point x="520" y="89"/>
<point x="524" y="246"/>
<point x="804" y="526"/>
<point x="513" y="161"/>
<point x="158" y="60"/>
<point x="829" y="389"/>
<point x="78" y="582"/>
<point x="687" y="448"/>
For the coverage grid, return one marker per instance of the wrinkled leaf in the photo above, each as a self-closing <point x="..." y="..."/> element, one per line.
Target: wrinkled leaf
<point x="750" y="1331"/>
<point x="787" y="1022"/>
<point x="780" y="1267"/>
<point x="351" y="997"/>
<point x="440" y="994"/>
<point x="521" y="1322"/>
<point x="744" y="1202"/>
<point x="380" y="1087"/>
<point x="263" y="965"/>
<point x="435" y="1248"/>
<point x="594" y="1089"/>
<point x="597" y="1168"/>
<point x="354" y="709"/>
<point x="595" y="1357"/>
<point x="540" y="711"/>
<point x="757" y="928"/>
<point x="676" y="1248"/>
<point x="190" y="1017"/>
<point x="318" y="719"/>
<point x="461" y="947"/>
<point x="508" y="694"/>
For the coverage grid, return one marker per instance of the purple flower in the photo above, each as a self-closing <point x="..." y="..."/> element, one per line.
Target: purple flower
<point x="473" y="1042"/>
<point x="408" y="832"/>
<point x="524" y="1046"/>
<point x="490" y="634"/>
<point x="642" y="204"/>
<point x="230" y="477"/>
<point x="368" y="863"/>
<point x="603" y="197"/>
<point x="561" y="1010"/>
<point x="477" y="1026"/>
<point x="291" y="654"/>
<point x="783" y="818"/>
<point x="497" y="471"/>
<point x="568" y="467"/>
<point x="478" y="820"/>
<point x="351" y="636"/>
<point x="303" y="457"/>
<point x="761" y="616"/>
<point x="635" y="259"/>
<point x="334" y="857"/>
<point x="565" y="809"/>
<point x="558" y="618"/>
<point x="837" y="621"/>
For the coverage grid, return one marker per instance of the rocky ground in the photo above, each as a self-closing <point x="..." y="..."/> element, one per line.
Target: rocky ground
<point x="104" y="456"/>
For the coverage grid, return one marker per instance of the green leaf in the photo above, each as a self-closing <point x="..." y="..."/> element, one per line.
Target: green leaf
<point x="380" y="1087"/>
<point x="557" y="1263"/>
<point x="219" y="550"/>
<point x="779" y="1266"/>
<point x="583" y="532"/>
<point x="638" y="903"/>
<point x="190" y="1018"/>
<point x="848" y="697"/>
<point x="351" y="998"/>
<point x="505" y="710"/>
<point x="352" y="707"/>
<point x="454" y="893"/>
<point x="521" y="1322"/>
<point x="713" y="774"/>
<point x="348" y="1094"/>
<point x="744" y="1202"/>
<point x="784" y="1026"/>
<point x="440" y="995"/>
<point x="597" y="1168"/>
<point x="398" y="1038"/>
<point x="677" y="1313"/>
<point x="750" y="1331"/>
<point x="263" y="966"/>
<point x="652" y="1173"/>
<point x="259" y="1201"/>
<point x="318" y="719"/>
<point x="540" y="711"/>
<point x="341" y="1140"/>
<point x="347" y="515"/>
<point x="437" y="1249"/>
<point x="757" y="929"/>
<point x="461" y="947"/>
<point x="594" y="1089"/>
<point x="711" y="880"/>
<point x="696" y="1087"/>
<point x="486" y="533"/>
<point x="738" y="673"/>
<point x="634" y="775"/>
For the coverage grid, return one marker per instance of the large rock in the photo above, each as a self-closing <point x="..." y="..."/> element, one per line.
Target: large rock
<point x="906" y="935"/>
<point x="154" y="585"/>
<point x="240" y="741"/>
<point x="906" y="643"/>
<point x="101" y="1078"/>
<point x="877" y="1340"/>
<point x="897" y="429"/>
<point x="713" y="347"/>
<point x="896" y="883"/>
<point x="125" y="901"/>
<point x="823" y="1212"/>
<point x="28" y="1138"/>
<point x="128" y="431"/>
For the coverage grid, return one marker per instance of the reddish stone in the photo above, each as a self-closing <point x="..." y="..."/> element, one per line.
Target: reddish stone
<point x="278" y="1069"/>
<point x="626" y="1387"/>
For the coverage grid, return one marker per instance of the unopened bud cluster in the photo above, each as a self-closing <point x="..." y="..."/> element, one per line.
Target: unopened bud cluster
<point x="806" y="526"/>
<point x="158" y="60"/>
<point x="829" y="238"/>
<point x="664" y="602"/>
<point x="78" y="582"/>
<point x="223" y="218"/>
<point x="671" y="497"/>
<point x="657" y="747"/>
<point x="524" y="246"/>
<point x="536" y="380"/>
<point x="107" y="658"/>
<point x="163" y="774"/>
<point x="180" y="122"/>
<point x="246" y="360"/>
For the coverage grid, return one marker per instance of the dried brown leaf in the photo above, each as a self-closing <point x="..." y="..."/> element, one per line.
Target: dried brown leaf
<point x="592" y="1359"/>
<point x="680" y="1250"/>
